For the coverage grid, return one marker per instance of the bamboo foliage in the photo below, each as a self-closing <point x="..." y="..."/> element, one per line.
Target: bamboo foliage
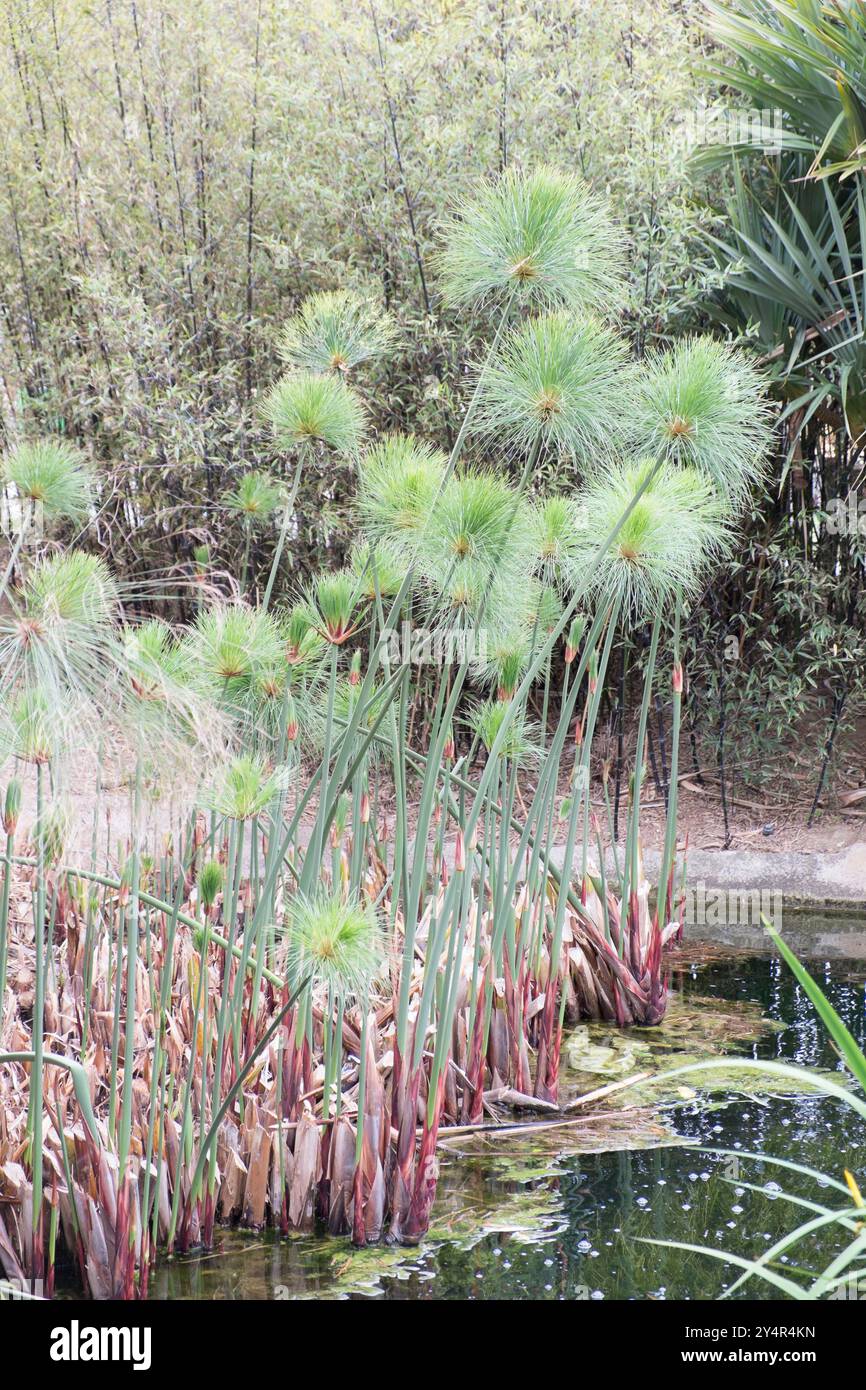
<point x="167" y="202"/>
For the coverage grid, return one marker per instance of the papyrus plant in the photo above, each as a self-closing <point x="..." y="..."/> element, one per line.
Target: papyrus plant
<point x="361" y="801"/>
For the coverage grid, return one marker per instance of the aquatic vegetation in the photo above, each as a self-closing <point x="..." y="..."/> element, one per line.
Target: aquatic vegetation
<point x="59" y="637"/>
<point x="29" y="730"/>
<point x="154" y="659"/>
<point x="230" y="642"/>
<point x="378" y="570"/>
<point x="332" y="602"/>
<point x="505" y="661"/>
<point x="695" y="1030"/>
<point x="487" y="719"/>
<point x="357" y="932"/>
<point x="304" y="645"/>
<point x="71" y="590"/>
<point x="255" y="500"/>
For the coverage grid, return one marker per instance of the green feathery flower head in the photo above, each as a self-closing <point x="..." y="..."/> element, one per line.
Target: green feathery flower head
<point x="153" y="659"/>
<point x="272" y="710"/>
<point x="71" y="590"/>
<point x="574" y="637"/>
<point x="520" y="743"/>
<point x="28" y="729"/>
<point x="334" y="331"/>
<point x="540" y="611"/>
<point x="465" y="598"/>
<point x="556" y="526"/>
<point x="63" y="640"/>
<point x="542" y="236"/>
<point x="256" y="497"/>
<point x="210" y="883"/>
<point x="703" y="404"/>
<point x="230" y="642"/>
<point x="337" y="941"/>
<point x="54" y="829"/>
<point x="346" y="694"/>
<point x="304" y="646"/>
<point x="247" y="788"/>
<point x="314" y="709"/>
<point x="171" y="707"/>
<point x="268" y="685"/>
<point x="307" y="409"/>
<point x="505" y="660"/>
<point x="11" y="806"/>
<point x="557" y="381"/>
<point x="377" y="568"/>
<point x="475" y="545"/>
<point x="51" y="473"/>
<point x="333" y="599"/>
<point x="400" y="479"/>
<point x="676" y="529"/>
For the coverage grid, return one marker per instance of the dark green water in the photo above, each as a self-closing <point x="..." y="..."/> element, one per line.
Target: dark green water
<point x="532" y="1217"/>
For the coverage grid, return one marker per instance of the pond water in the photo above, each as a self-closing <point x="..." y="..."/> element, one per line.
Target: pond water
<point x="544" y="1214"/>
